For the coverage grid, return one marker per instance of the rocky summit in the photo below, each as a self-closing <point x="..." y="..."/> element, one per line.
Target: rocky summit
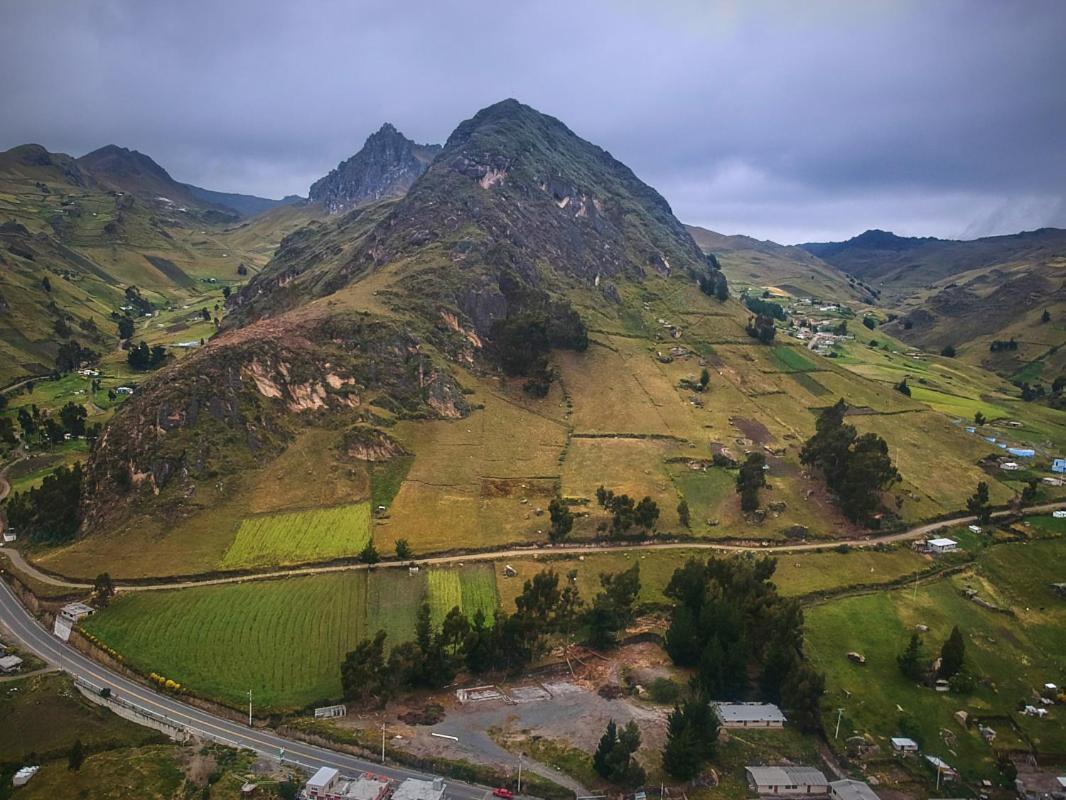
<point x="386" y="166"/>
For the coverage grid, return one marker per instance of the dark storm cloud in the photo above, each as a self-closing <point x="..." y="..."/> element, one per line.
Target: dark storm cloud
<point x="785" y="120"/>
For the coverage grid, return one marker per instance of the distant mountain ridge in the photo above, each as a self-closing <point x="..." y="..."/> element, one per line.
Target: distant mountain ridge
<point x="247" y="205"/>
<point x="385" y="167"/>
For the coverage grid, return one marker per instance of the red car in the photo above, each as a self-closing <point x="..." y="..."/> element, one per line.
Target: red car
<point x="506" y="794"/>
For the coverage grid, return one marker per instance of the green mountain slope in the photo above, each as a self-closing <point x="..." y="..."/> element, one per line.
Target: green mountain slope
<point x="391" y="357"/>
<point x="968" y="294"/>
<point x="75" y="234"/>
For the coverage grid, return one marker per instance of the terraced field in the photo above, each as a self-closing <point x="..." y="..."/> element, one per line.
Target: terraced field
<point x="282" y="639"/>
<point x="289" y="538"/>
<point x="468" y="589"/>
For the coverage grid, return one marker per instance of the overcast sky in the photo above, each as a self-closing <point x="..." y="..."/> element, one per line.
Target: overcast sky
<point x="787" y="120"/>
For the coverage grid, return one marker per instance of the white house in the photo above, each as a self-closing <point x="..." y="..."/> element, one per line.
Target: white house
<point x="941" y="545"/>
<point x="851" y="790"/>
<point x="749" y="715"/>
<point x="1060" y="514"/>
<point x="10" y="663"/>
<point x="22" y="777"/>
<point x="322" y="782"/>
<point x="945" y="771"/>
<point x="9" y="536"/>
<point x="1010" y="466"/>
<point x="975" y="528"/>
<point x="787" y="781"/>
<point x="901" y="744"/>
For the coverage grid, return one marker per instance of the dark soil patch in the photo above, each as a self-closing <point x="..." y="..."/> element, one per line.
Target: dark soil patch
<point x="754" y="430"/>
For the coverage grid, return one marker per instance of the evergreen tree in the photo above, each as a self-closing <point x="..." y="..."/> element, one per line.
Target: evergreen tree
<point x="750" y="479"/>
<point x="562" y="519"/>
<point x="683" y="513"/>
<point x="601" y="759"/>
<point x="978" y="504"/>
<point x="364" y="673"/>
<point x="369" y="554"/>
<point x="952" y="654"/>
<point x="911" y="662"/>
<point x="403" y="550"/>
<point x="103" y="589"/>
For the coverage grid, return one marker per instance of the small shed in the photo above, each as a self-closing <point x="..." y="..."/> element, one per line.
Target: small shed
<point x="10" y="664"/>
<point x="941" y="545"/>
<point x="1058" y="465"/>
<point x="901" y="744"/>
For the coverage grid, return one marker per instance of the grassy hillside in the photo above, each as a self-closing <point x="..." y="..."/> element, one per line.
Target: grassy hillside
<point x="384" y="332"/>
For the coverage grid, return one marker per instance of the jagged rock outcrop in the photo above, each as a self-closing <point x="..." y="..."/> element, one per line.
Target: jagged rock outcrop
<point x="238" y="402"/>
<point x="386" y="166"/>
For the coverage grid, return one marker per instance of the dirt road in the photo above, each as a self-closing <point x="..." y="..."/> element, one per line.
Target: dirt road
<point x="21" y="565"/>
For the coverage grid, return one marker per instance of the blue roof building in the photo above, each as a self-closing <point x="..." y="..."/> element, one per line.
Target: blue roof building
<point x="1058" y="465"/>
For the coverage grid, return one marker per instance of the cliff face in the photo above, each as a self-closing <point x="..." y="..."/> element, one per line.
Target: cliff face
<point x="386" y="167"/>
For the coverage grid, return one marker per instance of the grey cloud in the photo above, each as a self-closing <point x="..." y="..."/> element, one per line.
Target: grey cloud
<point x="777" y="119"/>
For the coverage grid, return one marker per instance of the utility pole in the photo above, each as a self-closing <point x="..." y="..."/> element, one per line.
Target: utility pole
<point x="249" y="708"/>
<point x="519" y="773"/>
<point x="382" y="742"/>
<point x="840" y="713"/>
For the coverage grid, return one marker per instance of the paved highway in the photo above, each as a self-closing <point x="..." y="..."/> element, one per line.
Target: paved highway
<point x="25" y="628"/>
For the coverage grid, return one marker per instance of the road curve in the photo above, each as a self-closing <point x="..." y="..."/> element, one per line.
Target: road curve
<point x="25" y="628"/>
<point x="25" y="567"/>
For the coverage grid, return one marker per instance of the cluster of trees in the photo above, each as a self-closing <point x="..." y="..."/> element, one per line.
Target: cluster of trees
<point x="766" y="308"/>
<point x="370" y="673"/>
<point x="691" y="736"/>
<point x="613" y="759"/>
<point x="903" y="388"/>
<point x="125" y="327"/>
<point x="761" y="327"/>
<point x="50" y="512"/>
<point x="869" y="322"/>
<point x="855" y="468"/>
<point x="1036" y="391"/>
<point x="142" y="357"/>
<point x="948" y="351"/>
<point x="742" y="638"/>
<point x="951" y="666"/>
<point x="522" y="342"/>
<point x="625" y="513"/>
<point x="43" y="428"/>
<point x="750" y="479"/>
<point x="714" y="284"/>
<point x="71" y="356"/>
<point x="1000" y="345"/>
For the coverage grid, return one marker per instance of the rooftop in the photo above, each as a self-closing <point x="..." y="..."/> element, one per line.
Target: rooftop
<point x="749" y="712"/>
<point x="853" y="790"/>
<point x="942" y="542"/>
<point x="414" y="789"/>
<point x="323" y="778"/>
<point x="787" y="776"/>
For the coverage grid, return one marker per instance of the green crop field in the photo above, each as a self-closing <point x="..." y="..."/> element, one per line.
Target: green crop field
<point x="790" y="359"/>
<point x="468" y="589"/>
<point x="300" y="536"/>
<point x="283" y="639"/>
<point x="445" y="593"/>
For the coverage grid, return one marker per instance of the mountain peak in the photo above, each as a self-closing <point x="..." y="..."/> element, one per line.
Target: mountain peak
<point x="386" y="166"/>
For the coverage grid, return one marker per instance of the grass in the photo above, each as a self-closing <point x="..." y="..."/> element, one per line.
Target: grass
<point x="44" y="714"/>
<point x="153" y="773"/>
<point x="469" y="589"/>
<point x="1011" y="654"/>
<point x="283" y="639"/>
<point x="445" y="593"/>
<point x="300" y="536"/>
<point x="789" y="359"/>
<point x="386" y="479"/>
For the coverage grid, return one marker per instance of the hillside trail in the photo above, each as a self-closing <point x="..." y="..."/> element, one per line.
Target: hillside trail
<point x="22" y="565"/>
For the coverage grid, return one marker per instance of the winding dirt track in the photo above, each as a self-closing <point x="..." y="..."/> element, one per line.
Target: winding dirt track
<point x="21" y="565"/>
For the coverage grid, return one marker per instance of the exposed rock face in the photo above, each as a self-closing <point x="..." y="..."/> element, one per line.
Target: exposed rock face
<point x="364" y="443"/>
<point x="387" y="166"/>
<point x="237" y="403"/>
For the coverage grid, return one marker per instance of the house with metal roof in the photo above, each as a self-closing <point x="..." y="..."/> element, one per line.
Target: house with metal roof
<point x="749" y="715"/>
<point x="787" y="781"/>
